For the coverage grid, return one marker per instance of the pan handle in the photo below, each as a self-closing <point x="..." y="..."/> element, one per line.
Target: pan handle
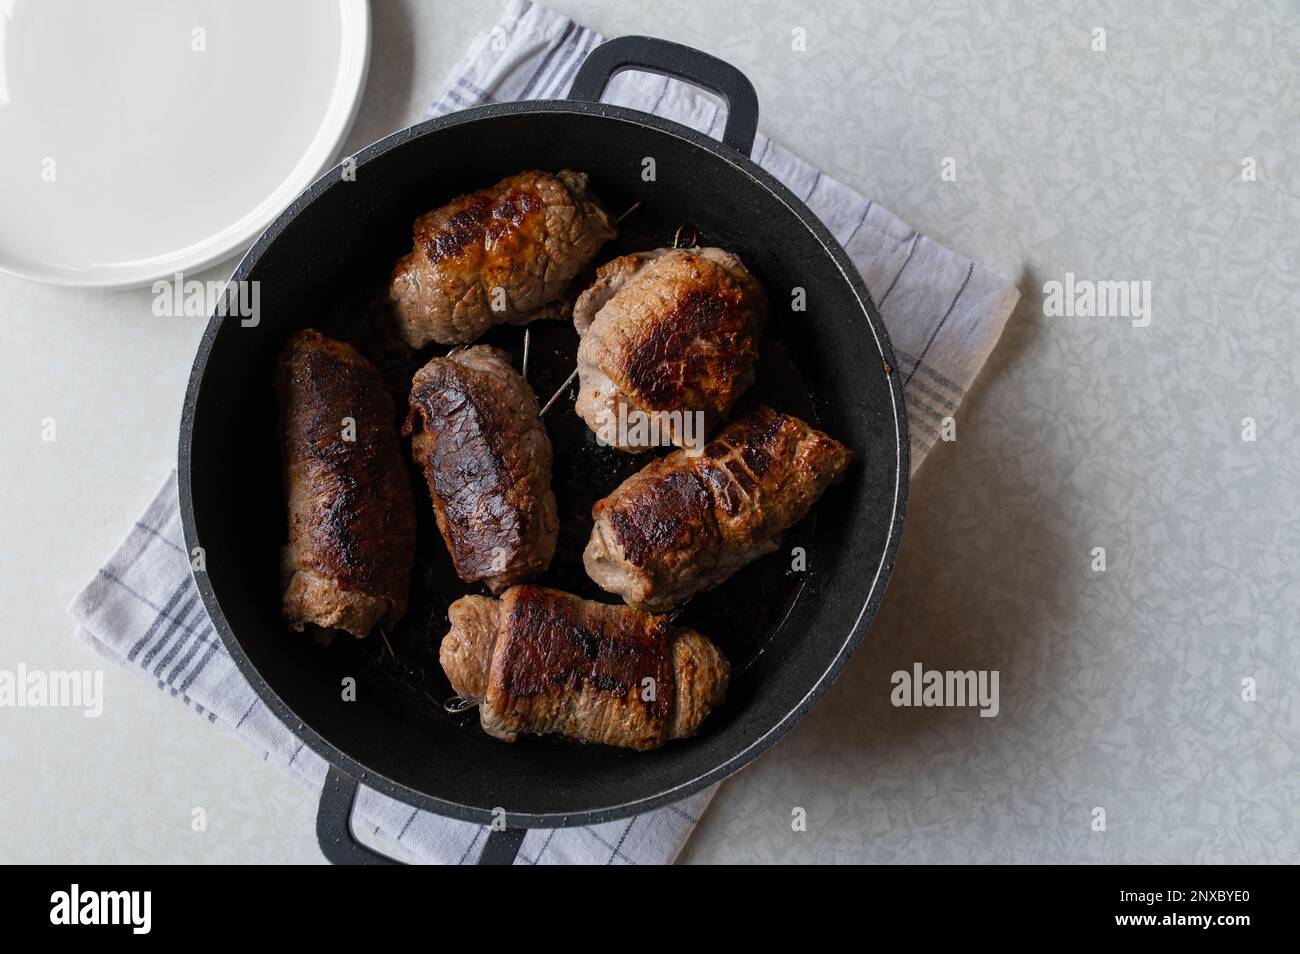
<point x="340" y="845"/>
<point x="334" y="824"/>
<point x="652" y="55"/>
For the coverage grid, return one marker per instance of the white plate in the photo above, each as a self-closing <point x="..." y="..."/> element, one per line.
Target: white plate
<point x="152" y="137"/>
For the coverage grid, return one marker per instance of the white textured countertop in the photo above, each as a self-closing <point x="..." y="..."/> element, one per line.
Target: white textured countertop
<point x="1120" y="690"/>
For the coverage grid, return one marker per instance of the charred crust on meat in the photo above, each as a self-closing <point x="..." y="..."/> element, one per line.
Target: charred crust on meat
<point x="466" y="468"/>
<point x="461" y="230"/>
<point x="543" y="661"/>
<point x="756" y="438"/>
<point x="484" y="218"/>
<point x="510" y="211"/>
<point x="685" y="523"/>
<point x="351" y="518"/>
<point x="697" y="347"/>
<point x="528" y="236"/>
<point x="467" y="432"/>
<point x="677" y="510"/>
<point x="553" y="644"/>
<point x="692" y="353"/>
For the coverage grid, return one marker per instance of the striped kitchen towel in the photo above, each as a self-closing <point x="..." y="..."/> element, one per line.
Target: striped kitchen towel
<point x="944" y="314"/>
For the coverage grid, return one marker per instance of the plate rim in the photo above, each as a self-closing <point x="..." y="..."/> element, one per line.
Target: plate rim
<point x="340" y="114"/>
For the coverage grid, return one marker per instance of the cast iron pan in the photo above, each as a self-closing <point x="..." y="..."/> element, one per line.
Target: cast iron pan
<point x="325" y="263"/>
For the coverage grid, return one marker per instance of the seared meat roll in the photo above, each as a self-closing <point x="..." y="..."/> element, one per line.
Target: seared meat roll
<point x="673" y="330"/>
<point x="684" y="523"/>
<point x="351" y="512"/>
<point x="476" y="433"/>
<point x="544" y="662"/>
<point x="495" y="256"/>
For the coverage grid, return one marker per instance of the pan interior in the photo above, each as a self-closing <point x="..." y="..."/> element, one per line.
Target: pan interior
<point x="782" y="628"/>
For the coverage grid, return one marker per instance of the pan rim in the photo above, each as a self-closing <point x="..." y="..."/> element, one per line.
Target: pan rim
<point x="346" y="763"/>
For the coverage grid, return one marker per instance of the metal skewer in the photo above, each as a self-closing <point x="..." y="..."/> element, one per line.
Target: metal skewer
<point x="528" y="338"/>
<point x="556" y="396"/>
<point x="632" y="208"/>
<point x="695" y="236"/>
<point x="458" y="704"/>
<point x="672" y="617"/>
